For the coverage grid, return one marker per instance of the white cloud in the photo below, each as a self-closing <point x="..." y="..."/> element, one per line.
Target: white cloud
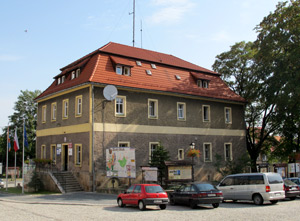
<point x="5" y="57"/>
<point x="170" y="11"/>
<point x="222" y="36"/>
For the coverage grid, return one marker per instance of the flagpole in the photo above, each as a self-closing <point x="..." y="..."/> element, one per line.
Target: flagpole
<point x="7" y="157"/>
<point x="23" y="158"/>
<point x="15" y="168"/>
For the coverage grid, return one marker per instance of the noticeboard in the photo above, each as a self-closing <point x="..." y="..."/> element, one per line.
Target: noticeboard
<point x="179" y="172"/>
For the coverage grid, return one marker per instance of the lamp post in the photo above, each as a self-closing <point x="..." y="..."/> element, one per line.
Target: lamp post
<point x="294" y="151"/>
<point x="192" y="147"/>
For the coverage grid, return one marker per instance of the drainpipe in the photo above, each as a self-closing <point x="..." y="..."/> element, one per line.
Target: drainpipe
<point x="93" y="160"/>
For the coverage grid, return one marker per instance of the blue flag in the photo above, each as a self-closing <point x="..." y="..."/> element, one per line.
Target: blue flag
<point x="25" y="137"/>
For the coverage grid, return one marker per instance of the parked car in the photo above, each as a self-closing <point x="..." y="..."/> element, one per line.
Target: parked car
<point x="195" y="193"/>
<point x="291" y="189"/>
<point x="1" y="183"/>
<point x="258" y="187"/>
<point x="295" y="180"/>
<point x="142" y="195"/>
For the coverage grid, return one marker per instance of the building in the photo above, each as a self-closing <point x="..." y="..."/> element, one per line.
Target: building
<point x="161" y="99"/>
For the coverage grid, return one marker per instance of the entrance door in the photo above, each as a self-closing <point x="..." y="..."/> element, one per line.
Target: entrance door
<point x="65" y="158"/>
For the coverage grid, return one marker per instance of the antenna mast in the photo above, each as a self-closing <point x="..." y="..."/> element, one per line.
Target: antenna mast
<point x="141" y="34"/>
<point x="133" y="21"/>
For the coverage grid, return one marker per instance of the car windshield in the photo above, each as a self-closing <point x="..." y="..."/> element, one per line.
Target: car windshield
<point x="274" y="178"/>
<point x="154" y="189"/>
<point x="205" y="187"/>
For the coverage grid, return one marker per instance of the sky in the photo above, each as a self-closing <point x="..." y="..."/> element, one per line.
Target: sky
<point x="38" y="37"/>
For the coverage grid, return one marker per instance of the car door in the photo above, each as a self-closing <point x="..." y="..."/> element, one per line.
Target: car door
<point x="127" y="195"/>
<point x="136" y="194"/>
<point x="178" y="195"/>
<point x="241" y="188"/>
<point x="227" y="188"/>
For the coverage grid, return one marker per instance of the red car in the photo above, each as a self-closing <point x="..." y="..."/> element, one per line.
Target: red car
<point x="143" y="195"/>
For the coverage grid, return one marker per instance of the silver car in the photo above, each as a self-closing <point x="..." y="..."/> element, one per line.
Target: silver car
<point x="257" y="187"/>
<point x="1" y="183"/>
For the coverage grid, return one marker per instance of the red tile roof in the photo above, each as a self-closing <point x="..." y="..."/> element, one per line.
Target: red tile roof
<point x="98" y="67"/>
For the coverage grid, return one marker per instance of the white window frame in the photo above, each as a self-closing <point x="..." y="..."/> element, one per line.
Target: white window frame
<point x="123" y="144"/>
<point x="210" y="152"/>
<point x="148" y="72"/>
<point x="73" y="75"/>
<point x="78" y="106"/>
<point x="204" y="84"/>
<point x="138" y="63"/>
<point x="118" y="105"/>
<point x="119" y="69"/>
<point x="180" y="154"/>
<point x="53" y="111"/>
<point x="53" y="153"/>
<point x="182" y="110"/>
<point x="77" y="73"/>
<point x="126" y="71"/>
<point x="228" y="115"/>
<point x="151" y="149"/>
<point x="208" y="114"/>
<point x="43" y="151"/>
<point x="65" y="109"/>
<point x="44" y="114"/>
<point x="58" y="80"/>
<point x="152" y="110"/>
<point x="78" y="159"/>
<point x="230" y="158"/>
<point x="63" y="79"/>
<point x="153" y="66"/>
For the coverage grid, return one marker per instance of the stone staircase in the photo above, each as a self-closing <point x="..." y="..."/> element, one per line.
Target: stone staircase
<point x="66" y="182"/>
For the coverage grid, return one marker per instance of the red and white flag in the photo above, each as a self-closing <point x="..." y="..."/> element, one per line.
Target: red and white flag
<point x="16" y="142"/>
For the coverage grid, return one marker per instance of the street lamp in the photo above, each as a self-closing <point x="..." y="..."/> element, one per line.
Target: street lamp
<point x="294" y="151"/>
<point x="192" y="147"/>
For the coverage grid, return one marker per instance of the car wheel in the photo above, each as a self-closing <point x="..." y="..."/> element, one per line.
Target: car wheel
<point x="142" y="205"/>
<point x="292" y="198"/>
<point x="274" y="201"/>
<point x="163" y="206"/>
<point x="193" y="204"/>
<point x="257" y="199"/>
<point x="120" y="203"/>
<point x="215" y="205"/>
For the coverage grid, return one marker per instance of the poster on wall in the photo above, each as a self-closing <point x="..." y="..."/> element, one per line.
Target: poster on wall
<point x="70" y="149"/>
<point x="58" y="149"/>
<point x="180" y="172"/>
<point x="120" y="162"/>
<point x="149" y="173"/>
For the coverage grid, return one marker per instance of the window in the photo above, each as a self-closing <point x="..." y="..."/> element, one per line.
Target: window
<point x="177" y="77"/>
<point x="120" y="106"/>
<point x="44" y="111"/>
<point x="138" y="63"/>
<point x="152" y="109"/>
<point x="63" y="79"/>
<point x="78" y="154"/>
<point x="53" y="153"/>
<point x="152" y="147"/>
<point x="137" y="189"/>
<point x="78" y="106"/>
<point x="77" y="73"/>
<point x="180" y="154"/>
<point x="207" y="151"/>
<point x="228" y="115"/>
<point x="153" y="66"/>
<point x="58" y="80"/>
<point x="72" y="75"/>
<point x="202" y="83"/>
<point x="206" y="113"/>
<point x="123" y="144"/>
<point x="228" y="151"/>
<point x="123" y="70"/>
<point x="181" y="111"/>
<point x="148" y="72"/>
<point x="43" y="152"/>
<point x="65" y="108"/>
<point x="53" y="111"/>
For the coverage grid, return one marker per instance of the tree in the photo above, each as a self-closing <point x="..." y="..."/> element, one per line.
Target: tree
<point x="158" y="158"/>
<point x="25" y="108"/>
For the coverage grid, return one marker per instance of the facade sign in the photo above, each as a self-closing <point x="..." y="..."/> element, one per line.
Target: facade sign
<point x="58" y="149"/>
<point x="120" y="162"/>
<point x="180" y="172"/>
<point x="70" y="150"/>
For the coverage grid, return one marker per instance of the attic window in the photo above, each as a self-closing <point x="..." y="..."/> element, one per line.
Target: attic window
<point x="72" y="75"/>
<point x="153" y="66"/>
<point x="63" y="79"/>
<point x="202" y="83"/>
<point x="77" y="73"/>
<point x="148" y="72"/>
<point x="58" y="81"/>
<point x="123" y="70"/>
<point x="138" y="63"/>
<point x="177" y="77"/>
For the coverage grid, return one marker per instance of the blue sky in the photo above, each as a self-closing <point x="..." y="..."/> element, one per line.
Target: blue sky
<point x="38" y="37"/>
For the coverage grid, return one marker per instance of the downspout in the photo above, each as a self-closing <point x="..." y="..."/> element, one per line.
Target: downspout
<point x="93" y="160"/>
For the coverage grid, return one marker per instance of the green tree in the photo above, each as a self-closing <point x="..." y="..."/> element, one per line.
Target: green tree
<point x="158" y="158"/>
<point x="25" y="109"/>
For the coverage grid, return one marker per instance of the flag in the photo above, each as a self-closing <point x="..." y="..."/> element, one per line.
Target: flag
<point x="16" y="142"/>
<point x="25" y="137"/>
<point x="8" y="139"/>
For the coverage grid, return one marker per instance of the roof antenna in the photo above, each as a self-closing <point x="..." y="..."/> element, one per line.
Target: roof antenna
<point x="141" y="34"/>
<point x="133" y="13"/>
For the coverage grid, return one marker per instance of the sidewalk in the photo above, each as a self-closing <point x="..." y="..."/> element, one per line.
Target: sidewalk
<point x="76" y="198"/>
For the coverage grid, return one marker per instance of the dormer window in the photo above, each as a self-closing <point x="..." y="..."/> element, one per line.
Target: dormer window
<point x="58" y="80"/>
<point x="63" y="79"/>
<point x="72" y="75"/>
<point x="153" y="66"/>
<point x="177" y="77"/>
<point x="202" y="83"/>
<point x="123" y="70"/>
<point x="77" y="73"/>
<point x="138" y="63"/>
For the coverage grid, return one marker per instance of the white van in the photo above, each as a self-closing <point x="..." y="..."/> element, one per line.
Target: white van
<point x="258" y="187"/>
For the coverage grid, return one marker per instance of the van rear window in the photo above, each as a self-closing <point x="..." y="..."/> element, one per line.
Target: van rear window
<point x="274" y="178"/>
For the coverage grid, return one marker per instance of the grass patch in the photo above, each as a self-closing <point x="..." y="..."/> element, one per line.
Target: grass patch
<point x="18" y="190"/>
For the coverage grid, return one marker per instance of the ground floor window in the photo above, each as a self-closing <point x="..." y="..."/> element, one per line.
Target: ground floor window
<point x="43" y="152"/>
<point x="53" y="153"/>
<point x="152" y="148"/>
<point x="180" y="154"/>
<point x="123" y="144"/>
<point x="228" y="151"/>
<point x="78" y="154"/>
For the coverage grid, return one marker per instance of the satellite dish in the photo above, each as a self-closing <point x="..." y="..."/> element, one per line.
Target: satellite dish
<point x="110" y="92"/>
